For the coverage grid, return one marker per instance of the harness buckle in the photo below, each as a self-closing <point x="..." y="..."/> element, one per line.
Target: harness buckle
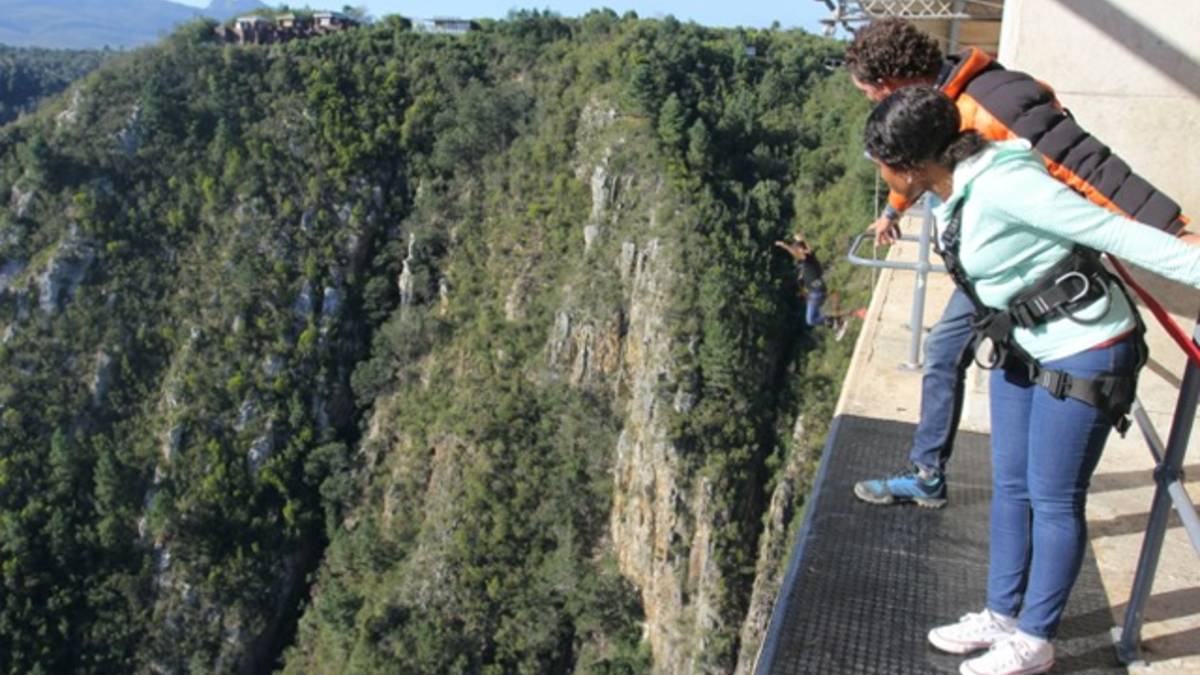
<point x="996" y="354"/>
<point x="1022" y="316"/>
<point x="1057" y="382"/>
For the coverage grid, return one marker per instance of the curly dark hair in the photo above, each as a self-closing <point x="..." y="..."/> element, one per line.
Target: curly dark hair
<point x="892" y="49"/>
<point x="915" y="125"/>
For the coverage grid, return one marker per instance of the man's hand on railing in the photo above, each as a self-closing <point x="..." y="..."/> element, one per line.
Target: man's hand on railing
<point x="886" y="230"/>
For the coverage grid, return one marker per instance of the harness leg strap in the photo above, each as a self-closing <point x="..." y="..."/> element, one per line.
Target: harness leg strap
<point x="1111" y="394"/>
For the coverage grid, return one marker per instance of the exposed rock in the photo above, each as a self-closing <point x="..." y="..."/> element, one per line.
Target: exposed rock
<point x="559" y="335"/>
<point x="142" y="519"/>
<point x="406" y="281"/>
<point x="590" y="233"/>
<point x="272" y="365"/>
<point x="591" y="349"/>
<point x="704" y="578"/>
<point x="9" y="272"/>
<point x="518" y="295"/>
<point x="443" y="295"/>
<point x="685" y="400"/>
<point x="331" y="303"/>
<point x="246" y="414"/>
<point x="597" y="115"/>
<point x="162" y="561"/>
<point x="599" y="202"/>
<point x="358" y="250"/>
<point x="129" y="139"/>
<point x="171" y="443"/>
<point x="70" y="116"/>
<point x="344" y="212"/>
<point x="248" y="210"/>
<point x="102" y="376"/>
<point x="64" y="272"/>
<point x="171" y="393"/>
<point x="601" y="189"/>
<point x="649" y="517"/>
<point x="320" y="410"/>
<point x="626" y="261"/>
<point x="261" y="449"/>
<point x="302" y="308"/>
<point x="603" y="195"/>
<point x="21" y="200"/>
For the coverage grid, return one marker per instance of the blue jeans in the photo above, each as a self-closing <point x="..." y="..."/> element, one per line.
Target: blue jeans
<point x="1043" y="453"/>
<point x="946" y="361"/>
<point x="812" y="314"/>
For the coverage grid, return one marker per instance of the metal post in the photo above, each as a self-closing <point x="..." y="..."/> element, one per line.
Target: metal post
<point x="916" y="321"/>
<point x="955" y="27"/>
<point x="1166" y="474"/>
<point x="1180" y="498"/>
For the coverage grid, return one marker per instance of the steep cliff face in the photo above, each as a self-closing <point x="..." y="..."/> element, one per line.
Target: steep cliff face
<point x="656" y="520"/>
<point x="386" y="352"/>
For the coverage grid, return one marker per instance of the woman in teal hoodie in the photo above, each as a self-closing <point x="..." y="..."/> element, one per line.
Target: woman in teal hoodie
<point x="1011" y="227"/>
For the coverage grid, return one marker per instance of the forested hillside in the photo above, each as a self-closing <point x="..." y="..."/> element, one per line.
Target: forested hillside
<point x="385" y="352"/>
<point x="29" y="76"/>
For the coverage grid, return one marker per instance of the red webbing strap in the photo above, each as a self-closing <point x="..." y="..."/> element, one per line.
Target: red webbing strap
<point x="1177" y="334"/>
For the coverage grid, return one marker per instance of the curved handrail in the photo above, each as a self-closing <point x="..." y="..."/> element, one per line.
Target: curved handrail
<point x="853" y="256"/>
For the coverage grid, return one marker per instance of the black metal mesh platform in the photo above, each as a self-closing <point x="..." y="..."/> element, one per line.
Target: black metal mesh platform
<point x="867" y="582"/>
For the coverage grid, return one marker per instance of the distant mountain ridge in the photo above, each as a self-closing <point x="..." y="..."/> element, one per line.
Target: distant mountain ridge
<point x="94" y="24"/>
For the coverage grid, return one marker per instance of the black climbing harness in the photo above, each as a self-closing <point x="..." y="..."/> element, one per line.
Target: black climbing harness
<point x="1074" y="283"/>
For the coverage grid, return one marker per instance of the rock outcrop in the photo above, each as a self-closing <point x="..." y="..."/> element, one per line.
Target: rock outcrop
<point x="65" y="270"/>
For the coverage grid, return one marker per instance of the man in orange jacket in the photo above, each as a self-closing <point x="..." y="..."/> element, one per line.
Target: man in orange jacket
<point x="1000" y="104"/>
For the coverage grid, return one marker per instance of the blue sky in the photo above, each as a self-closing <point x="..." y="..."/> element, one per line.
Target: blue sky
<point x="759" y="13"/>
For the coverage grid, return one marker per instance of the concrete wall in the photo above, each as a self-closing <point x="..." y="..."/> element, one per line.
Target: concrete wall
<point x="1129" y="70"/>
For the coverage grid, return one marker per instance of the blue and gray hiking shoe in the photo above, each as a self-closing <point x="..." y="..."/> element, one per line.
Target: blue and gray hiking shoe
<point x="927" y="490"/>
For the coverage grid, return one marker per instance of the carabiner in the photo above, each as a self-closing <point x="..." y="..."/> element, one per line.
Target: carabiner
<point x="1087" y="286"/>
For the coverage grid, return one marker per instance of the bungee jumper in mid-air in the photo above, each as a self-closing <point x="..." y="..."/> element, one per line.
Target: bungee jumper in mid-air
<point x="811" y="276"/>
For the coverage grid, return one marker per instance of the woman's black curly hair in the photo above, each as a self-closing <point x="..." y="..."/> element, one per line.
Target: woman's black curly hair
<point x="892" y="49"/>
<point x="918" y="124"/>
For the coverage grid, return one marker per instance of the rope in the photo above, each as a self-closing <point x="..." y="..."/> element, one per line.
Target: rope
<point x="1173" y="329"/>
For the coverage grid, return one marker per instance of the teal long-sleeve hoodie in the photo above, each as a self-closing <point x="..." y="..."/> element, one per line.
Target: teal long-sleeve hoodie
<point x="1018" y="222"/>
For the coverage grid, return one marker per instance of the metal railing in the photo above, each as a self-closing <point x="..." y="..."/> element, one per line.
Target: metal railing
<point x="1168" y="459"/>
<point x="922" y="267"/>
<point x="1168" y="475"/>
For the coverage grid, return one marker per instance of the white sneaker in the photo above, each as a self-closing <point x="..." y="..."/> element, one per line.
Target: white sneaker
<point x="1020" y="654"/>
<point x="973" y="631"/>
